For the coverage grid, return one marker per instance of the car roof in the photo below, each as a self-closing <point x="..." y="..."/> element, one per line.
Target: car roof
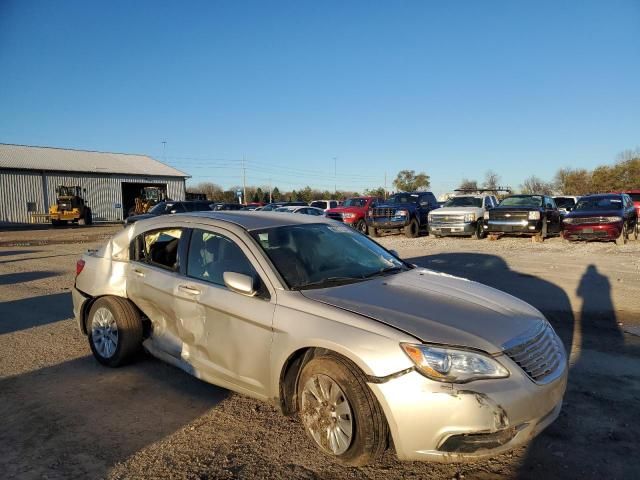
<point x="601" y="195"/>
<point x="253" y="220"/>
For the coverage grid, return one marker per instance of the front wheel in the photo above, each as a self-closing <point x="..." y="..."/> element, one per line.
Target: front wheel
<point x="479" y="234"/>
<point x="114" y="330"/>
<point x="339" y="412"/>
<point x="361" y="226"/>
<point x="624" y="235"/>
<point x="412" y="230"/>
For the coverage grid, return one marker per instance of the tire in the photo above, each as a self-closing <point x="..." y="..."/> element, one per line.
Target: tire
<point x="479" y="234"/>
<point x="55" y="223"/>
<point x="374" y="232"/>
<point x="369" y="430"/>
<point x="88" y="217"/>
<point x="361" y="226"/>
<point x="412" y="230"/>
<point x="103" y="315"/>
<point x="636" y="231"/>
<point x="624" y="235"/>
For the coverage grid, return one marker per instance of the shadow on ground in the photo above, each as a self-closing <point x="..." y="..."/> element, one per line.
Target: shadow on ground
<point x="594" y="435"/>
<point x="77" y="419"/>
<point x="21" y="277"/>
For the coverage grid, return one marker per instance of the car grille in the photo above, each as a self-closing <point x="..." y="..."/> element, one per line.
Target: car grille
<point x="384" y="212"/>
<point x="540" y="356"/>
<point x="597" y="234"/>
<point x="508" y="215"/>
<point x="447" y="218"/>
<point x="334" y="216"/>
<point x="584" y="220"/>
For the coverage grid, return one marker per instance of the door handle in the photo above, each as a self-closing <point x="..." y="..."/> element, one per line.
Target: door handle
<point x="138" y="272"/>
<point x="188" y="289"/>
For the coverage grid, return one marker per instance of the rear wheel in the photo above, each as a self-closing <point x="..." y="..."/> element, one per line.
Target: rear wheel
<point x="361" y="226"/>
<point x="412" y="230"/>
<point x="636" y="231"/>
<point x="624" y="235"/>
<point x="339" y="412"/>
<point x="114" y="329"/>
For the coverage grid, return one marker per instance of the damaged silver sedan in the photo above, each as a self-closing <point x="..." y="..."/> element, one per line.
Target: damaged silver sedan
<point x="319" y="319"/>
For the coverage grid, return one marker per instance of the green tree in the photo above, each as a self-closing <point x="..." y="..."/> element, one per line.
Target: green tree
<point x="408" y="181"/>
<point x="376" y="192"/>
<point x="275" y="194"/>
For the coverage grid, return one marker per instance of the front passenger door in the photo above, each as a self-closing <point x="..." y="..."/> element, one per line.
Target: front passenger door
<point x="227" y="335"/>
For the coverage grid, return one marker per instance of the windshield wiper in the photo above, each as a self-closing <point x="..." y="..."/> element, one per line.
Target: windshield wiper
<point x="331" y="281"/>
<point x="383" y="271"/>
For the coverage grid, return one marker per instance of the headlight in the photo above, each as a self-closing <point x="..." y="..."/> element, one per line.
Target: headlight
<point x="469" y="217"/>
<point x="401" y="213"/>
<point x="534" y="215"/>
<point x="348" y="215"/>
<point x="453" y="365"/>
<point x="567" y="220"/>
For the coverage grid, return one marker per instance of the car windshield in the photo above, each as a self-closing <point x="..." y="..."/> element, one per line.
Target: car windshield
<point x="522" y="201"/>
<point x="403" y="198"/>
<point x="464" y="202"/>
<point x="355" y="202"/>
<point x="325" y="255"/>
<point x="161" y="208"/>
<point x="565" y="202"/>
<point x="599" y="203"/>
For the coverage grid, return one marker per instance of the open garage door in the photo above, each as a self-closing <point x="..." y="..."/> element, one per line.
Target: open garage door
<point x="131" y="190"/>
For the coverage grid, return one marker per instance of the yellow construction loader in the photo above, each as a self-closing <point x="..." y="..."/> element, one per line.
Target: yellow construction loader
<point x="70" y="207"/>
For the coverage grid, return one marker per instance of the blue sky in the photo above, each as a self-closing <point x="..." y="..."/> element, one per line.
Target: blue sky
<point x="449" y="88"/>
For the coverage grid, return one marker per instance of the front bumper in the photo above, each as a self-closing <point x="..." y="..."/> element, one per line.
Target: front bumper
<point x="466" y="228"/>
<point x="609" y="231"/>
<point x="516" y="227"/>
<point x="79" y="303"/>
<point x="388" y="223"/>
<point x="445" y="422"/>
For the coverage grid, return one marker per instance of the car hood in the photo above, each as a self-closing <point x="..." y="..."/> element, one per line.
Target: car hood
<point x="397" y="205"/>
<point x="456" y="210"/>
<point x="437" y="308"/>
<point x="346" y="210"/>
<point x="515" y="209"/>
<point x="594" y="213"/>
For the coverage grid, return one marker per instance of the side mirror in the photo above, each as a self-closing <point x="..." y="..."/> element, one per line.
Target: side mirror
<point x="394" y="253"/>
<point x="240" y="283"/>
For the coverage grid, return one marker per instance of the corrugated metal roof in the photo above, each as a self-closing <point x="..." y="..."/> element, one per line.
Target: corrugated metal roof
<point x="67" y="160"/>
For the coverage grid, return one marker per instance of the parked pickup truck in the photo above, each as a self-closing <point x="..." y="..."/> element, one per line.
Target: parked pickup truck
<point x="463" y="214"/>
<point x="353" y="212"/>
<point x="533" y="215"/>
<point x="402" y="211"/>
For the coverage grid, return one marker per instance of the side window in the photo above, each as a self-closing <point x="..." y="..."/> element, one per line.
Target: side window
<point x="549" y="203"/>
<point x="159" y="248"/>
<point x="487" y="202"/>
<point x="311" y="211"/>
<point x="212" y="254"/>
<point x="333" y="204"/>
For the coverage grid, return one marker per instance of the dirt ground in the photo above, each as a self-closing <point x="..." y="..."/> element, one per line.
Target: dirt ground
<point x="64" y="416"/>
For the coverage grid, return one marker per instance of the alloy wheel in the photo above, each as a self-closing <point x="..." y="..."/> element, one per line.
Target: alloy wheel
<point x="104" y="332"/>
<point x="326" y="413"/>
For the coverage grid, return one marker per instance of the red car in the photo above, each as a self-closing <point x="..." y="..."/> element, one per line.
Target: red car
<point x="607" y="216"/>
<point x="353" y="212"/>
<point x="635" y="198"/>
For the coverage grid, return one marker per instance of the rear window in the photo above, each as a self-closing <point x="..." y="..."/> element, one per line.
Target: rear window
<point x="564" y="202"/>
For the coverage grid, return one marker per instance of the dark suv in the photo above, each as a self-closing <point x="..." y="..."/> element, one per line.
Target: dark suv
<point x="403" y="211"/>
<point x="169" y="207"/>
<point x="533" y="215"/>
<point x="607" y="216"/>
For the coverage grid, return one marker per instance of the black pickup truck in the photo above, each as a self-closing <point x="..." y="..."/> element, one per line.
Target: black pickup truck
<point x="533" y="215"/>
<point x="402" y="211"/>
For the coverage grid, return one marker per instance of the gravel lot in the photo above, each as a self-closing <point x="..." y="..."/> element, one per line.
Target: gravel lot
<point x="65" y="416"/>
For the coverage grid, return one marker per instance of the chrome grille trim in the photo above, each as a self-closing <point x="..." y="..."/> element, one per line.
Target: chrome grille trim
<point x="540" y="354"/>
<point x="384" y="212"/>
<point x="496" y="215"/>
<point x="447" y="219"/>
<point x="585" y="220"/>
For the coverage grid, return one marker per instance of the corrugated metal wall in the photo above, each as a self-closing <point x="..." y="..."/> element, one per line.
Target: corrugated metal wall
<point x="103" y="192"/>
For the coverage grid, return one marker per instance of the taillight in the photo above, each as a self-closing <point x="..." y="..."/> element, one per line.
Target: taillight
<point x="79" y="266"/>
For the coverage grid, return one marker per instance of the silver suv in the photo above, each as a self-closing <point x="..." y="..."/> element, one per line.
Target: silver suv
<point x="320" y="320"/>
<point x="463" y="214"/>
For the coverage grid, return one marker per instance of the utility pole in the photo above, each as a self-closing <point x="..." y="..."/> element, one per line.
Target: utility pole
<point x="385" y="185"/>
<point x="335" y="177"/>
<point x="270" y="190"/>
<point x="244" y="182"/>
<point x="164" y="148"/>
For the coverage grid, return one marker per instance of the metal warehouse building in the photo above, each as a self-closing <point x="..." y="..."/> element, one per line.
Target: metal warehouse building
<point x="29" y="177"/>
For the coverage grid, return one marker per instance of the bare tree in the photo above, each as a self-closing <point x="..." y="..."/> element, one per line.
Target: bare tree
<point x="535" y="185"/>
<point x="467" y="184"/>
<point x="491" y="180"/>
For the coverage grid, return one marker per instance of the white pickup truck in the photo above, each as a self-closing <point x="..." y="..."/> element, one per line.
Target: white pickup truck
<point x="463" y="214"/>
